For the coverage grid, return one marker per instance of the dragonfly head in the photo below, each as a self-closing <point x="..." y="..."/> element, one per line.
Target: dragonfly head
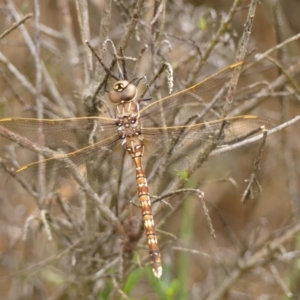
<point x="122" y="91"/>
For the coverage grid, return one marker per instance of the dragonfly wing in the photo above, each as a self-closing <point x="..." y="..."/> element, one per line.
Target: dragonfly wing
<point x="100" y="163"/>
<point x="180" y="146"/>
<point x="63" y="134"/>
<point x="180" y="108"/>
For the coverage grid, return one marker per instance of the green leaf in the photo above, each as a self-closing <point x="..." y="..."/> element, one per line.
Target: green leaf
<point x="132" y="280"/>
<point x="105" y="292"/>
<point x="53" y="277"/>
<point x="202" y="23"/>
<point x="25" y="8"/>
<point x="183" y="174"/>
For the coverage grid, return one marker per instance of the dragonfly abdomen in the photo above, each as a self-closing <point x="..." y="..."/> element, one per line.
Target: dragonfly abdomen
<point x="135" y="148"/>
<point x="143" y="193"/>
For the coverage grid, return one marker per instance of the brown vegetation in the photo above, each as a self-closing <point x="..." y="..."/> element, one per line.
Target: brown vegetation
<point x="84" y="241"/>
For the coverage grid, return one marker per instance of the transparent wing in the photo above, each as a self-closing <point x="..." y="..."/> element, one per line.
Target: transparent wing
<point x="64" y="134"/>
<point x="180" y="146"/>
<point x="102" y="164"/>
<point x="177" y="109"/>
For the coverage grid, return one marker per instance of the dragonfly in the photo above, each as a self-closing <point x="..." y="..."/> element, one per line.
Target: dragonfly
<point x="172" y="125"/>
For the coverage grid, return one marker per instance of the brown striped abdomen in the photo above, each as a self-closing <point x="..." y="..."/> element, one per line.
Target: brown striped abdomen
<point x="143" y="193"/>
<point x="135" y="148"/>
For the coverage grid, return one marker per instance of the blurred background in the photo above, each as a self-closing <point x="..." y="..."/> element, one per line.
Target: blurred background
<point x="256" y="249"/>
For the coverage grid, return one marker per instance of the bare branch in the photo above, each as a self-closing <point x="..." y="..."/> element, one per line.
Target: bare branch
<point x="14" y="26"/>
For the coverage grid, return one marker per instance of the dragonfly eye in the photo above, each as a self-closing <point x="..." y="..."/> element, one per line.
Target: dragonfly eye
<point x="122" y="91"/>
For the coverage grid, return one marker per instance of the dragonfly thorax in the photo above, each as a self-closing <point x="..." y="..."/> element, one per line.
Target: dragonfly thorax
<point x="128" y="126"/>
<point x="127" y="119"/>
<point x="122" y="91"/>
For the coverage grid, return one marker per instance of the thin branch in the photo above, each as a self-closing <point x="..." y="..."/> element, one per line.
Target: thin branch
<point x="132" y="25"/>
<point x="27" y="85"/>
<point x="255" y="138"/>
<point x="259" y="57"/>
<point x="108" y="266"/>
<point x="293" y="83"/>
<point x="192" y="251"/>
<point x="170" y="194"/>
<point x="44" y="218"/>
<point x="280" y="281"/>
<point x="108" y="71"/>
<point x="39" y="103"/>
<point x="162" y="68"/>
<point x="64" y="9"/>
<point x="215" y="40"/>
<point x="277" y="84"/>
<point x="47" y="78"/>
<point x="252" y="179"/>
<point x="268" y="253"/>
<point x="241" y="54"/>
<point x="103" y="32"/>
<point x="14" y="26"/>
<point x="242" y="49"/>
<point x="43" y="263"/>
<point x="83" y="19"/>
<point x="107" y="213"/>
<point x="119" y="290"/>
